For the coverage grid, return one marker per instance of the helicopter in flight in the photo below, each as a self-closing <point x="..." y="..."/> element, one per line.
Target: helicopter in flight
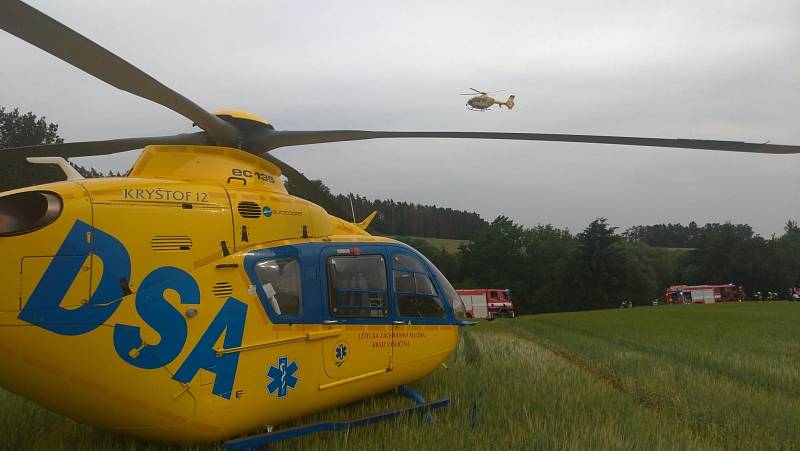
<point x="483" y="101"/>
<point x="195" y="299"/>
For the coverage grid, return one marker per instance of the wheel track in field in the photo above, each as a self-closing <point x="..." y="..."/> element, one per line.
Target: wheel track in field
<point x="610" y="379"/>
<point x="659" y="403"/>
<point x="634" y="392"/>
<point x="722" y="369"/>
<point x="605" y="376"/>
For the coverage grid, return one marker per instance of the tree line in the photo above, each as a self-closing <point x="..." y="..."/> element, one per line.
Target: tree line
<point x="550" y="270"/>
<point x="16" y="130"/>
<point x="395" y="217"/>
<point x="407" y="218"/>
<point x="676" y="235"/>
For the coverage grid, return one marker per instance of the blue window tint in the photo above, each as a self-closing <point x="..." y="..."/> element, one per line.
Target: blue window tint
<point x="408" y="263"/>
<point x="357" y="286"/>
<point x="450" y="293"/>
<point x="280" y="280"/>
<point x="415" y="293"/>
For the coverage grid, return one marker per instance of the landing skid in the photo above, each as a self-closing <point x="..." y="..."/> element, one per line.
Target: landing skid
<point x="255" y="442"/>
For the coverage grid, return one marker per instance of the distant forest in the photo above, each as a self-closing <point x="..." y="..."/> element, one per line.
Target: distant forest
<point x="678" y="235"/>
<point x="406" y="218"/>
<point x="550" y="269"/>
<point x="397" y="217"/>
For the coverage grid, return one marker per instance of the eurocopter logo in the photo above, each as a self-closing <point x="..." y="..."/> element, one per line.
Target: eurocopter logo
<point x="268" y="212"/>
<point x="282" y="377"/>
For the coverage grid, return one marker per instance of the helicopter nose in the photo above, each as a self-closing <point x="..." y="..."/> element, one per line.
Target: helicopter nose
<point x="28" y="211"/>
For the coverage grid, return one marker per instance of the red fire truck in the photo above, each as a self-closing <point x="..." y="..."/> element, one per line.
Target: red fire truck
<point x="703" y="294"/>
<point x="487" y="303"/>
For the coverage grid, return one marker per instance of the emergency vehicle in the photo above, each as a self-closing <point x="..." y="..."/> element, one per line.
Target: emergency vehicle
<point x="487" y="303"/>
<point x="703" y="294"/>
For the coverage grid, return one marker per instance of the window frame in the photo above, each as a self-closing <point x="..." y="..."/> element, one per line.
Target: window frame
<point x="265" y="300"/>
<point x="448" y="316"/>
<point x="307" y="313"/>
<point x="385" y="309"/>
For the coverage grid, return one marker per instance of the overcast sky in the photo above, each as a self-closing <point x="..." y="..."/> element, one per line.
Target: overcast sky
<point x="678" y="69"/>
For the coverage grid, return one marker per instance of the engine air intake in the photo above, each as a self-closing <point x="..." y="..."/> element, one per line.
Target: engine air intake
<point x="26" y="212"/>
<point x="249" y="209"/>
<point x="222" y="290"/>
<point x="171" y="243"/>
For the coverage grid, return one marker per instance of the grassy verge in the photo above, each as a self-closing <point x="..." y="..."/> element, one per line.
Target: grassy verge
<point x="729" y="373"/>
<point x="670" y="377"/>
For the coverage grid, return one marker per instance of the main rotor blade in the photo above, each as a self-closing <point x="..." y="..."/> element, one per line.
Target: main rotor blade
<point x="92" y="148"/>
<point x="33" y="26"/>
<point x="479" y="92"/>
<point x="311" y="191"/>
<point x="272" y="139"/>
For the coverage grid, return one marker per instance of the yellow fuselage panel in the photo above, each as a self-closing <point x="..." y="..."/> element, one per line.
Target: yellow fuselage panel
<point x="133" y="310"/>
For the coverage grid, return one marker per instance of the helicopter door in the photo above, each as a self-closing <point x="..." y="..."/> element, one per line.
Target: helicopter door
<point x="358" y="303"/>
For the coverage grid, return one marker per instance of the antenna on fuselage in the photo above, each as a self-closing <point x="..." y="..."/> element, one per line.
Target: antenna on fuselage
<point x="353" y="210"/>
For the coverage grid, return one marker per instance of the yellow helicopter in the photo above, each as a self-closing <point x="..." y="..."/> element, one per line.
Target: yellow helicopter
<point x="195" y="299"/>
<point x="483" y="101"/>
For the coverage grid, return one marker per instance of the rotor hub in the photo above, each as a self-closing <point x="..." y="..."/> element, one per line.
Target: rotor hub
<point x="243" y="120"/>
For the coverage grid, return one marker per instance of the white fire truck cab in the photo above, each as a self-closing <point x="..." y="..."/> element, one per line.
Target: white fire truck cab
<point x="487" y="303"/>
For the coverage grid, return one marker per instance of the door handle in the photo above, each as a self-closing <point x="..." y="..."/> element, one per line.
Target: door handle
<point x="329" y="321"/>
<point x="399" y="323"/>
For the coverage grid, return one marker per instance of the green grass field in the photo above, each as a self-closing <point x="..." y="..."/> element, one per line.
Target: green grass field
<point x="450" y="246"/>
<point x="667" y="377"/>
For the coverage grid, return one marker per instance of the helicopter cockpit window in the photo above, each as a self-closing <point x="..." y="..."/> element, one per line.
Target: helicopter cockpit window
<point x="280" y="280"/>
<point x="450" y="293"/>
<point x="408" y="263"/>
<point x="416" y="295"/>
<point x="357" y="286"/>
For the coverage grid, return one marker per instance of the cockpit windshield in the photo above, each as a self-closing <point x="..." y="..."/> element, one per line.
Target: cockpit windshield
<point x="450" y="293"/>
